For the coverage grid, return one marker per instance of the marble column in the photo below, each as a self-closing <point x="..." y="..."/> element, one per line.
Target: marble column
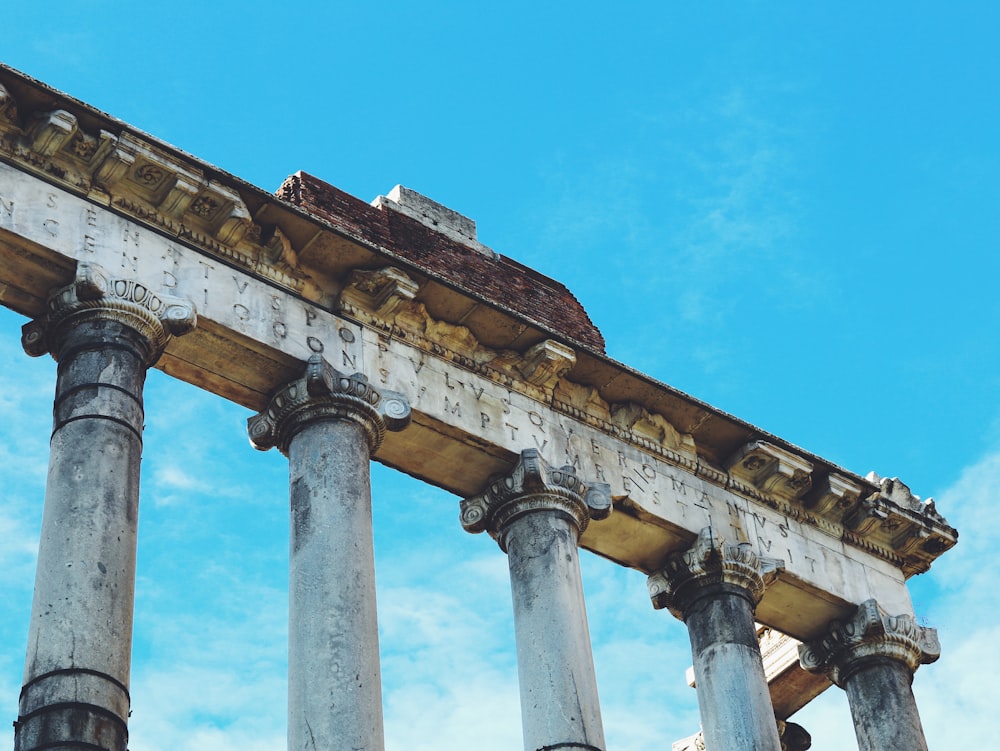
<point x="873" y="657"/>
<point x="104" y="332"/>
<point x="537" y="514"/>
<point x="714" y="588"/>
<point x="328" y="425"/>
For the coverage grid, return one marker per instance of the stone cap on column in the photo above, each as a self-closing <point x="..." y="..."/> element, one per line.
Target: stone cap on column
<point x="534" y="485"/>
<point x="708" y="563"/>
<point x="870" y="635"/>
<point x="95" y="294"/>
<point x="323" y="393"/>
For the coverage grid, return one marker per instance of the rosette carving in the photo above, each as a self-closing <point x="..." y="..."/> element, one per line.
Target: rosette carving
<point x="323" y="393"/>
<point x="97" y="295"/>
<point x="710" y="562"/>
<point x="534" y="485"/>
<point x="871" y="634"/>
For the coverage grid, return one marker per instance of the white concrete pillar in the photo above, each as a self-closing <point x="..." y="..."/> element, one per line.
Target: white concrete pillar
<point x="537" y="513"/>
<point x="328" y="425"/>
<point x="104" y="332"/>
<point x="714" y="588"/>
<point x="873" y="657"/>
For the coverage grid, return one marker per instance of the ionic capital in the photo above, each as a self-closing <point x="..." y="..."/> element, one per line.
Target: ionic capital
<point x="533" y="485"/>
<point x="322" y="393"/>
<point x="96" y="295"/>
<point x="870" y="635"/>
<point x="711" y="564"/>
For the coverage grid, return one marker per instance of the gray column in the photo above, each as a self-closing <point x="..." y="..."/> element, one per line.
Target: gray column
<point x="328" y="425"/>
<point x="714" y="588"/>
<point x="537" y="514"/>
<point x="104" y="332"/>
<point x="873" y="657"/>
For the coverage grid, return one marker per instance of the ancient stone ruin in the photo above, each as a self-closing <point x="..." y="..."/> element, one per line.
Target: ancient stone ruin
<point x="388" y="332"/>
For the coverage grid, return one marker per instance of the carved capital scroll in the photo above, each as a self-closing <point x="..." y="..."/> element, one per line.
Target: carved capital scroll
<point x="97" y="295"/>
<point x="534" y="485"/>
<point x="323" y="393"/>
<point x="871" y="634"/>
<point x="711" y="563"/>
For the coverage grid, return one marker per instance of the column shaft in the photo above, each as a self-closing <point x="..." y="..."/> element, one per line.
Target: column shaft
<point x="80" y="638"/>
<point x="559" y="700"/>
<point x="733" y="696"/>
<point x="714" y="588"/>
<point x="329" y="425"/>
<point x="334" y="679"/>
<point x="873" y="657"/>
<point x="537" y="513"/>
<point x="883" y="708"/>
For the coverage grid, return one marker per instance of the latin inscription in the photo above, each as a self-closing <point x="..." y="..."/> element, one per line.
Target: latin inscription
<point x="487" y="411"/>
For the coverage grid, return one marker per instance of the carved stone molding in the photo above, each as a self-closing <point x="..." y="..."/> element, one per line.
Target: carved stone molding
<point x="148" y="183"/>
<point x="711" y="563"/>
<point x="547" y="362"/>
<point x="870" y="635"/>
<point x="641" y="422"/>
<point x="833" y="493"/>
<point x="772" y="470"/>
<point x="379" y="292"/>
<point x="96" y="295"/>
<point x="534" y="485"/>
<point x="8" y="105"/>
<point x="913" y="528"/>
<point x="324" y="393"/>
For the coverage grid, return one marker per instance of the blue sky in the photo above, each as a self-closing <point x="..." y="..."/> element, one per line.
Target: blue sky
<point x="788" y="211"/>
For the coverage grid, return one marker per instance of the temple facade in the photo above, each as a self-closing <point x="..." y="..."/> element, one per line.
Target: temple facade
<point x="385" y="331"/>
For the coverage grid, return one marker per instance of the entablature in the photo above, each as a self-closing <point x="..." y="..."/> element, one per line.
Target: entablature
<point x="337" y="269"/>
